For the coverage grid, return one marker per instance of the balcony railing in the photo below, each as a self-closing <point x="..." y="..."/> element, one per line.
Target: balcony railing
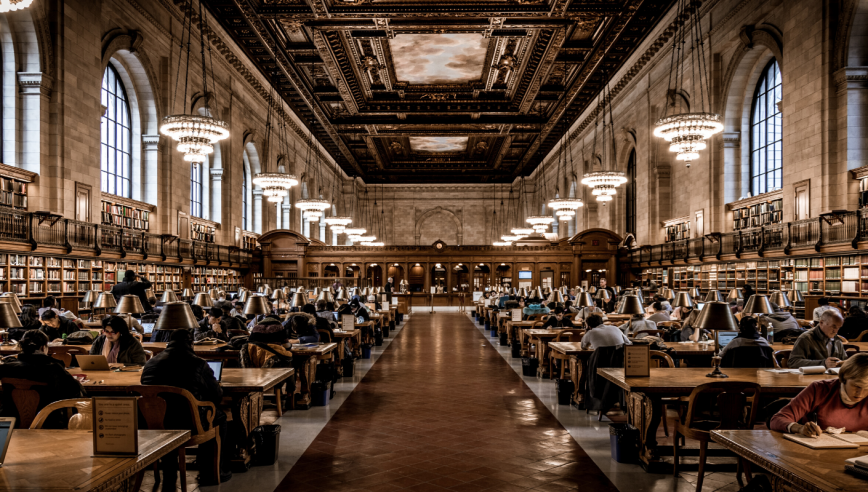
<point x="838" y="228"/>
<point x="40" y="229"/>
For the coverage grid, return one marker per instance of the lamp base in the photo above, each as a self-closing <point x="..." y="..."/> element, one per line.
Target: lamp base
<point x="716" y="374"/>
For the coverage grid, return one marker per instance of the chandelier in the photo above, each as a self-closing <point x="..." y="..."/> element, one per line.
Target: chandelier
<point x="507" y="238"/>
<point x="338" y="224"/>
<point x="502" y="243"/>
<point x="373" y="243"/>
<point x="196" y="134"/>
<point x="367" y="239"/>
<point x="355" y="231"/>
<point x="604" y="198"/>
<point x="275" y="180"/>
<point x="687" y="132"/>
<point x="565" y="214"/>
<point x="521" y="231"/>
<point x="312" y="205"/>
<point x="312" y="215"/>
<point x="13" y="5"/>
<point x="567" y="204"/>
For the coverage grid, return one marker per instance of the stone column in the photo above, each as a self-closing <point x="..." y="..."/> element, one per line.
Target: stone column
<point x="322" y="230"/>
<point x="216" y="195"/>
<point x="258" y="211"/>
<point x="148" y="191"/>
<point x="34" y="89"/>
<point x="306" y="231"/>
<point x="851" y="83"/>
<point x="286" y="211"/>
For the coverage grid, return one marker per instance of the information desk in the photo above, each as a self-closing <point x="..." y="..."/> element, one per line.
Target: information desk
<point x="645" y="393"/>
<point x="793" y="467"/>
<point x="62" y="460"/>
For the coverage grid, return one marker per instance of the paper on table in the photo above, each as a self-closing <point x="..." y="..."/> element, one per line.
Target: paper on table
<point x="812" y="370"/>
<point x="860" y="461"/>
<point x="854" y="438"/>
<point x="824" y="441"/>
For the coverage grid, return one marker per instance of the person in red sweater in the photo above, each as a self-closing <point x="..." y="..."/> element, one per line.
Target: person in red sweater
<point x="841" y="402"/>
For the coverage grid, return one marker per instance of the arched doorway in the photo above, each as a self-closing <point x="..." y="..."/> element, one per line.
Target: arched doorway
<point x="331" y="271"/>
<point x="352" y="270"/>
<point x="461" y="274"/>
<point x="503" y="275"/>
<point x="374" y="275"/>
<point x="416" y="279"/>
<point x="438" y="278"/>
<point x="481" y="277"/>
<point x="396" y="271"/>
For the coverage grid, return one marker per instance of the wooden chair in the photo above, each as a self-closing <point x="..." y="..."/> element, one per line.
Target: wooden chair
<point x="652" y="333"/>
<point x="63" y="357"/>
<point x="731" y="398"/>
<point x="71" y="403"/>
<point x="153" y="408"/>
<point x="662" y="359"/>
<point x="25" y="397"/>
<point x="781" y="357"/>
<point x="851" y="349"/>
<point x="665" y="325"/>
<point x="568" y="335"/>
<point x="804" y="323"/>
<point x="863" y="337"/>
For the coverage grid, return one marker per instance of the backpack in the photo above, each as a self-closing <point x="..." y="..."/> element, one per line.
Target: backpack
<point x="282" y="360"/>
<point x="81" y="337"/>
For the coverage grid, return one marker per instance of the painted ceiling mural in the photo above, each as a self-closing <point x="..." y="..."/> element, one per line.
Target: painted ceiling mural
<point x="440" y="91"/>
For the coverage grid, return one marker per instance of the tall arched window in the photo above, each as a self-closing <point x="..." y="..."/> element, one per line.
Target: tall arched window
<point x="244" y="200"/>
<point x="631" y="193"/>
<point x="196" y="189"/>
<point x="766" y="132"/>
<point x="115" y="136"/>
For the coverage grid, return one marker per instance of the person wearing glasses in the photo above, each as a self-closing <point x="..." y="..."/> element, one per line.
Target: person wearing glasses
<point x="117" y="344"/>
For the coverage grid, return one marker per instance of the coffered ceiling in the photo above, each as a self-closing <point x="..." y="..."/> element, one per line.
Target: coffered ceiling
<point x="448" y="91"/>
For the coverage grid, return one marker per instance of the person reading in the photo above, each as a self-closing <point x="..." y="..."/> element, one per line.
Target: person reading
<point x="557" y="320"/>
<point x="600" y="335"/>
<point x="841" y="403"/>
<point x="117" y="344"/>
<point x="821" y="345"/>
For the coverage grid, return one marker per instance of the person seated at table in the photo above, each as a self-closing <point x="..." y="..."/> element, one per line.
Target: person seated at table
<point x="638" y="323"/>
<point x="320" y="322"/>
<point x="305" y="329"/>
<point x="55" y="327"/>
<point x="602" y="335"/>
<point x="782" y="323"/>
<point x="321" y="310"/>
<point x="269" y="334"/>
<point x="658" y="313"/>
<point x="841" y="402"/>
<point x="572" y="295"/>
<point x="360" y="311"/>
<point x="222" y="301"/>
<point x="179" y="366"/>
<point x="29" y="319"/>
<point x="821" y="345"/>
<point x="117" y="344"/>
<point x="748" y="348"/>
<point x="49" y="304"/>
<point x="587" y="311"/>
<point x="534" y="309"/>
<point x="569" y="308"/>
<point x="501" y="301"/>
<point x="855" y="323"/>
<point x="822" y="307"/>
<point x="238" y="310"/>
<point x="558" y="320"/>
<point x="34" y="364"/>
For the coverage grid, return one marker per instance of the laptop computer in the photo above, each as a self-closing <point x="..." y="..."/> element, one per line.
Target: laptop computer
<point x="722" y="338"/>
<point x="148" y="327"/>
<point x="699" y="306"/>
<point x="6" y="426"/>
<point x="92" y="362"/>
<point x="217" y="367"/>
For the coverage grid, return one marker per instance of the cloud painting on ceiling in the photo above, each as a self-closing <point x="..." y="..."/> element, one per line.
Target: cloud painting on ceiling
<point x="438" y="144"/>
<point x="438" y="58"/>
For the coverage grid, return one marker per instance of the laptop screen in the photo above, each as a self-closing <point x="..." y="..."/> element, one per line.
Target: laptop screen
<point x="5" y="436"/>
<point x="724" y="337"/>
<point x="699" y="306"/>
<point x="148" y="327"/>
<point x="217" y="367"/>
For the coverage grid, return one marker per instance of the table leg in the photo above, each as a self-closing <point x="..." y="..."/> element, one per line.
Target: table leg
<point x="576" y="370"/>
<point x="246" y="412"/>
<point x="339" y="357"/>
<point x="644" y="413"/>
<point x="305" y="367"/>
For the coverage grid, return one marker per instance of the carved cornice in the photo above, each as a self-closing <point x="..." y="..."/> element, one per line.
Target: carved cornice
<point x="129" y="202"/>
<point x="675" y="221"/>
<point x="731" y="140"/>
<point x="17" y="173"/>
<point x="859" y="172"/>
<point x="753" y="200"/>
<point x="35" y="83"/>
<point x="851" y="78"/>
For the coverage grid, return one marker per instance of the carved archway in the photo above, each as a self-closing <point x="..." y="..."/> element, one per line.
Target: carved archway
<point x="434" y="211"/>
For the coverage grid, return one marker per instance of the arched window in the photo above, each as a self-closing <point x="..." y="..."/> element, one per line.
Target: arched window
<point x="115" y="136"/>
<point x="631" y="193"/>
<point x="196" y="189"/>
<point x="765" y="133"/>
<point x="244" y="192"/>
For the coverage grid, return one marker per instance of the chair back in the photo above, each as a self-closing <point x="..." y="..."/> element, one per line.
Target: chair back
<point x="761" y="356"/>
<point x="25" y="397"/>
<point x="661" y="359"/>
<point x="570" y="335"/>
<point x="75" y="403"/>
<point x="782" y="356"/>
<point x="728" y="400"/>
<point x="153" y="406"/>
<point x="324" y="335"/>
<point x="538" y="317"/>
<point x="652" y="333"/>
<point x="851" y="349"/>
<point x="62" y="357"/>
<point x="863" y="337"/>
<point x="669" y="324"/>
<point x="537" y="325"/>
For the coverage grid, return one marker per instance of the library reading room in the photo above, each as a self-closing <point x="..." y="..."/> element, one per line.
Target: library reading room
<point x="453" y="245"/>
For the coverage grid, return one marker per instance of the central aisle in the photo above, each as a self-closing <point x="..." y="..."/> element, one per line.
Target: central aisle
<point x="442" y="410"/>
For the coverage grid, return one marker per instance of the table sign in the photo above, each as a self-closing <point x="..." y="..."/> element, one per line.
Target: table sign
<point x="637" y="360"/>
<point x="477" y="296"/>
<point x="394" y="300"/>
<point x="348" y="322"/>
<point x="433" y="290"/>
<point x="115" y="426"/>
<point x="516" y="315"/>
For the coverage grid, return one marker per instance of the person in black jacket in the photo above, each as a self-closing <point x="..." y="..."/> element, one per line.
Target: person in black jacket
<point x="132" y="286"/>
<point x="557" y="320"/>
<point x="220" y="326"/>
<point x="55" y="326"/>
<point x="322" y="323"/>
<point x="179" y="366"/>
<point x="117" y="344"/>
<point x="854" y="324"/>
<point x="29" y="321"/>
<point x="34" y="364"/>
<point x="360" y="311"/>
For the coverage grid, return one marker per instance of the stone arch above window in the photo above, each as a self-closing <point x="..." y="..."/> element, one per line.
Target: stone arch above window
<point x="440" y="223"/>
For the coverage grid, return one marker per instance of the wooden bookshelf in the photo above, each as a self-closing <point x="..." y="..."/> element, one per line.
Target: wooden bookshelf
<point x="759" y="214"/>
<point x="120" y="215"/>
<point x="677" y="231"/>
<point x="206" y="278"/>
<point x="13" y="193"/>
<point x="249" y="242"/>
<point x="202" y="232"/>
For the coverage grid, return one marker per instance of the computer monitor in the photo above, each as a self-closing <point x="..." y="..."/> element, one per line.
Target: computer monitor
<point x="217" y="367"/>
<point x="6" y="426"/>
<point x="699" y="306"/>
<point x="722" y="338"/>
<point x="148" y="327"/>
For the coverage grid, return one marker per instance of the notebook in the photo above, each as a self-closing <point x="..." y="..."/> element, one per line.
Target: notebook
<point x="217" y="367"/>
<point x="824" y="441"/>
<point x="860" y="462"/>
<point x="6" y="426"/>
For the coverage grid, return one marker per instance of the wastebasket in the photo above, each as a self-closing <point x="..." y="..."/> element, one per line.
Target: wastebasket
<point x="516" y="349"/>
<point x="487" y="325"/>
<point x="266" y="439"/>
<point x="319" y="394"/>
<point x="366" y="351"/>
<point x="378" y="338"/>
<point x="493" y="331"/>
<point x="503" y="340"/>
<point x="565" y="388"/>
<point x="529" y="366"/>
<point x="349" y="366"/>
<point x="623" y="439"/>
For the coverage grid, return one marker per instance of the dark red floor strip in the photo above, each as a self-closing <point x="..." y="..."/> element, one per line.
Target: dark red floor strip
<point x="441" y="410"/>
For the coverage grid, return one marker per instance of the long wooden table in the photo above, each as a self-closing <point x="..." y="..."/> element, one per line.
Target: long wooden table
<point x="62" y="460"/>
<point x="793" y="467"/>
<point x="243" y="386"/>
<point x="644" y="394"/>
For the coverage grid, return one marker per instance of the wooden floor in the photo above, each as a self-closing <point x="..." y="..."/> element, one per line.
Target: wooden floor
<point x="441" y="410"/>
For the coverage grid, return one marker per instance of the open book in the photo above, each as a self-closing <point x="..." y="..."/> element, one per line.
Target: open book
<point x="831" y="441"/>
